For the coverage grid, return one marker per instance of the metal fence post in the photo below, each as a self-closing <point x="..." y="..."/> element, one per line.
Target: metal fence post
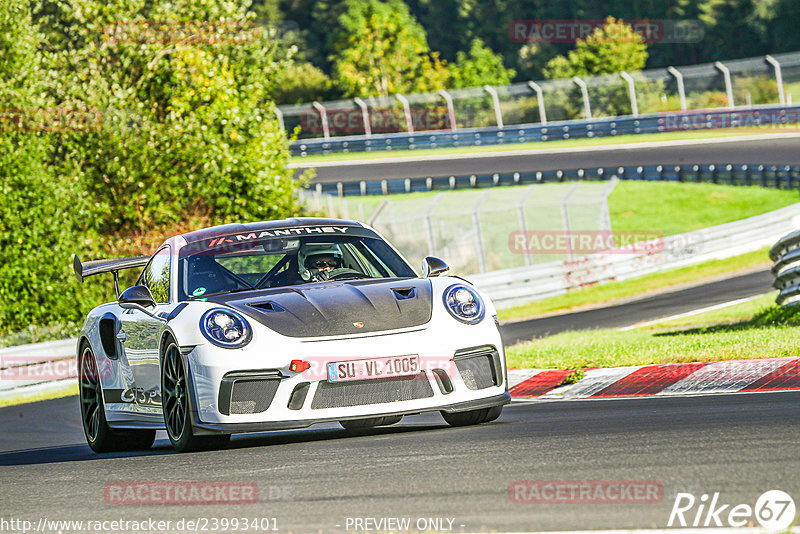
<point x="585" y="92"/>
<point x="451" y="110"/>
<point x="523" y="219"/>
<point x="407" y="111"/>
<point x="498" y="115"/>
<point x="540" y="98"/>
<point x="726" y="75"/>
<point x="605" y="222"/>
<point x="681" y="90"/>
<point x="323" y="115"/>
<point x="429" y="225"/>
<point x="377" y="212"/>
<point x="476" y="224"/>
<point x="565" y="219"/>
<point x="778" y="78"/>
<point x="364" y="115"/>
<point x="631" y="92"/>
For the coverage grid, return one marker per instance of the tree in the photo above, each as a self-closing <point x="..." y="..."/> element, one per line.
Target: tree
<point x="613" y="48"/>
<point x="479" y="67"/>
<point x="380" y="49"/>
<point x="188" y="133"/>
<point x="40" y="213"/>
<point x="608" y="50"/>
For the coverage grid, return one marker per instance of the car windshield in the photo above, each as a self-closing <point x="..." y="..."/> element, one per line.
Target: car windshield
<point x="286" y="261"/>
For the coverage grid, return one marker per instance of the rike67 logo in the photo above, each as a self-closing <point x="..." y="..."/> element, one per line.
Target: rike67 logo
<point x="774" y="510"/>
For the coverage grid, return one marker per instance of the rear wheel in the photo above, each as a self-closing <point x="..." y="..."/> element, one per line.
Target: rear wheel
<point x="95" y="427"/>
<point x="473" y="417"/>
<point x="371" y="422"/>
<point x="175" y="402"/>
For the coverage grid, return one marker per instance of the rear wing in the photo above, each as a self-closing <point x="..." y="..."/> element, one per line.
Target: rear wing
<point x="113" y="265"/>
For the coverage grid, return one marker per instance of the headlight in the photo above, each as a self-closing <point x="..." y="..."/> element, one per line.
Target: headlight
<point x="464" y="303"/>
<point x="225" y="328"/>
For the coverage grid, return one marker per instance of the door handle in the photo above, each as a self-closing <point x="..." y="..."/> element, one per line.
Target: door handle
<point x="122" y="336"/>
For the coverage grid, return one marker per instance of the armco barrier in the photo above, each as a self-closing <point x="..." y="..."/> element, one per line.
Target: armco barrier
<point x="786" y="269"/>
<point x="774" y="116"/>
<point x="773" y="176"/>
<point x="30" y="369"/>
<point x="524" y="284"/>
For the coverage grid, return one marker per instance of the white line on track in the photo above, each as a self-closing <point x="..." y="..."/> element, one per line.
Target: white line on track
<point x="544" y="151"/>
<point x="690" y="313"/>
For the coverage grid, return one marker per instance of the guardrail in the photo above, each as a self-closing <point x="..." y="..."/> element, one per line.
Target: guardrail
<point x="514" y="286"/>
<point x="757" y="116"/>
<point x="26" y="370"/>
<point x="786" y="269"/>
<point x="773" y="176"/>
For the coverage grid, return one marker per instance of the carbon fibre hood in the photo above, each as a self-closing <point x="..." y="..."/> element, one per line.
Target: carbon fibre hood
<point x="338" y="308"/>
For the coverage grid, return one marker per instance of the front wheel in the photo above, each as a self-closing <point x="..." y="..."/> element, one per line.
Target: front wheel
<point x="175" y="403"/>
<point x="473" y="417"/>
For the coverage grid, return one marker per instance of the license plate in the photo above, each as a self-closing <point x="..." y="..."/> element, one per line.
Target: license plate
<point x="373" y="368"/>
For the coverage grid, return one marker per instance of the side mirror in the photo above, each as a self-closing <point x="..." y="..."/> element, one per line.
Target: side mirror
<point x="137" y="298"/>
<point x="433" y="267"/>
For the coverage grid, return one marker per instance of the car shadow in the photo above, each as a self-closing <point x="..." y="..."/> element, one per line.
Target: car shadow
<point x="82" y="452"/>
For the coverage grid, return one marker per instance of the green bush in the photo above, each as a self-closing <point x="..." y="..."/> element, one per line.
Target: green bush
<point x="110" y="142"/>
<point x="40" y="214"/>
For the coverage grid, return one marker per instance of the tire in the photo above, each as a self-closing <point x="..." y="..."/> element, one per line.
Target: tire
<point x="98" y="434"/>
<point x="176" y="404"/>
<point x="473" y="417"/>
<point x="371" y="422"/>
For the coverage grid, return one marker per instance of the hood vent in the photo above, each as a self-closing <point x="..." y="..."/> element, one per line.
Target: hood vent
<point x="268" y="306"/>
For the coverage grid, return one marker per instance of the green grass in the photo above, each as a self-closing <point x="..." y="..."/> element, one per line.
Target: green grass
<point x="672" y="208"/>
<point x="728" y="315"/>
<point x="770" y="332"/>
<point x="546" y="145"/>
<point x="67" y="391"/>
<point x="613" y="291"/>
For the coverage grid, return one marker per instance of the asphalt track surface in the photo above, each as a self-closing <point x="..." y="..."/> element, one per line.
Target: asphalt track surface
<point x="770" y="151"/>
<point x="313" y="480"/>
<point x="643" y="309"/>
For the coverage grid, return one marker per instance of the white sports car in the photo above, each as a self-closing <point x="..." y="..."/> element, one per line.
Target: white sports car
<point x="278" y="325"/>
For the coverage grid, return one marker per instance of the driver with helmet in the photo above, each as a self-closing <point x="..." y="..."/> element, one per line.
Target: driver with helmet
<point x="317" y="261"/>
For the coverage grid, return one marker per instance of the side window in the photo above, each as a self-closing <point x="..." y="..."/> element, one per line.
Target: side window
<point x="156" y="276"/>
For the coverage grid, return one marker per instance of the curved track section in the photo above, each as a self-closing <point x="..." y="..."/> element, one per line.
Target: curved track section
<point x="313" y="480"/>
<point x="777" y="150"/>
<point x="642" y="309"/>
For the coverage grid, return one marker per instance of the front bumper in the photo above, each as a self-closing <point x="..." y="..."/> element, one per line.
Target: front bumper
<point x="234" y="428"/>
<point x="210" y="367"/>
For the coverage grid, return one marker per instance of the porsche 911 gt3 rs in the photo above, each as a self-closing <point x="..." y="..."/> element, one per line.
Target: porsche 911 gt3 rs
<point x="278" y="325"/>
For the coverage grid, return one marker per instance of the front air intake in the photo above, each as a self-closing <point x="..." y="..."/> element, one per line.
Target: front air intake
<point x="479" y="367"/>
<point x="361" y="392"/>
<point x="247" y="393"/>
